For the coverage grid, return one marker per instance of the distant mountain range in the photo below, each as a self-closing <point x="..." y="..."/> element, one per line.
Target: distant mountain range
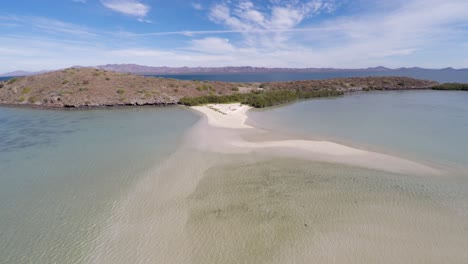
<point x="150" y="70"/>
<point x="20" y="73"/>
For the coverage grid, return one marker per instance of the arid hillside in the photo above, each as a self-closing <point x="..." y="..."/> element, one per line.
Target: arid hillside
<point x="90" y="87"/>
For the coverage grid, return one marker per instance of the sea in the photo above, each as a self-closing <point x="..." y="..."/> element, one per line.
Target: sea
<point x="67" y="176"/>
<point x="442" y="76"/>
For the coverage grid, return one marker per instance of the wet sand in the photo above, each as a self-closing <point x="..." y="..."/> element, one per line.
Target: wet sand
<point x="222" y="198"/>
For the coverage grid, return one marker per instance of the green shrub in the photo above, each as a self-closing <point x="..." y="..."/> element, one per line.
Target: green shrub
<point x="107" y="79"/>
<point x="12" y="80"/>
<point x="259" y="99"/>
<point x="120" y="91"/>
<point x="452" y="87"/>
<point x="235" y="89"/>
<point x="205" y="87"/>
<point x="26" y="90"/>
<point x="32" y="99"/>
<point x="1" y="85"/>
<point x="64" y="81"/>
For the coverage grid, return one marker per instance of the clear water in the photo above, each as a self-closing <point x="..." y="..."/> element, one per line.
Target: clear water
<point x="113" y="186"/>
<point x="435" y="75"/>
<point x="61" y="173"/>
<point x="429" y="125"/>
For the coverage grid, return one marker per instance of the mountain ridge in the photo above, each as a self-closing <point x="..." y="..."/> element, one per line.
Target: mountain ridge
<point x="149" y="70"/>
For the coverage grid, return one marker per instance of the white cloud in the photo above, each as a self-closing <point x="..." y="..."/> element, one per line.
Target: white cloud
<point x="212" y="45"/>
<point x="127" y="7"/>
<point x="52" y="25"/>
<point x="408" y="33"/>
<point x="49" y="25"/>
<point x="266" y="26"/>
<point x="246" y="15"/>
<point x="197" y="6"/>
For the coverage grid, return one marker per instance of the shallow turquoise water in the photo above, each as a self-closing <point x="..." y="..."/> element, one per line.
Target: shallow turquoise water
<point x="64" y="174"/>
<point x="62" y="171"/>
<point x="428" y="125"/>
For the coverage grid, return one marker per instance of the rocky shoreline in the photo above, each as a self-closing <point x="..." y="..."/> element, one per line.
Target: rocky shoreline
<point x="92" y="88"/>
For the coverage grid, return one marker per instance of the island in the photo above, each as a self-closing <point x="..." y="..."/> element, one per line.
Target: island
<point x="93" y="87"/>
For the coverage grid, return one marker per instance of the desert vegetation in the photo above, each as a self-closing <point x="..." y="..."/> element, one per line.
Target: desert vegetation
<point x="452" y="87"/>
<point x="259" y="99"/>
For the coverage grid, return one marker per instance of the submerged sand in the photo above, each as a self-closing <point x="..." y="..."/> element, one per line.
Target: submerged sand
<point x="227" y="196"/>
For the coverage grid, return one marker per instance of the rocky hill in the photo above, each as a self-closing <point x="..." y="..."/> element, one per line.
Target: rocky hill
<point x="90" y="87"/>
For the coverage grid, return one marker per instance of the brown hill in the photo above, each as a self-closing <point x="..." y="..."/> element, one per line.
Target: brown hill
<point x="89" y="87"/>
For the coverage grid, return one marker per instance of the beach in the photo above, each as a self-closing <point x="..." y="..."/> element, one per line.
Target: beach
<point x="226" y="196"/>
<point x="234" y="116"/>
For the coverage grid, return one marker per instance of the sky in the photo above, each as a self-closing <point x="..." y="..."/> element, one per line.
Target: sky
<point x="53" y="34"/>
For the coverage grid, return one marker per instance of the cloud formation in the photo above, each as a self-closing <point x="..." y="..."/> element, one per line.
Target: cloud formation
<point x="257" y="23"/>
<point x="197" y="6"/>
<point x="283" y="33"/>
<point x="127" y="7"/>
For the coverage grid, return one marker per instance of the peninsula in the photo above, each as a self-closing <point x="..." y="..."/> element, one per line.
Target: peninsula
<point x="92" y="87"/>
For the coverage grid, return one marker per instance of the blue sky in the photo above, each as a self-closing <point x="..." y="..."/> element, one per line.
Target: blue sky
<point x="53" y="34"/>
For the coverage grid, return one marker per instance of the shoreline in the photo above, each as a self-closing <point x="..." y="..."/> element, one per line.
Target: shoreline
<point x="220" y="195"/>
<point x="234" y="117"/>
<point x="89" y="87"/>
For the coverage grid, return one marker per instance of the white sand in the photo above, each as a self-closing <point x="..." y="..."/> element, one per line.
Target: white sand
<point x="225" y="115"/>
<point x="229" y="116"/>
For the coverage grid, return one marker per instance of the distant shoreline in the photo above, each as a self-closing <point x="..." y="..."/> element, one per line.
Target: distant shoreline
<point x="93" y="88"/>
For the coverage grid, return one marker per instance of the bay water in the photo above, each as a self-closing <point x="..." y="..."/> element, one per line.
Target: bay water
<point x="68" y="195"/>
<point x="62" y="172"/>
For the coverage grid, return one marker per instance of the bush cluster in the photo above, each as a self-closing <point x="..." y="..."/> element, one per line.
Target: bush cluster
<point x="12" y="80"/>
<point x="259" y="99"/>
<point x="26" y="90"/>
<point x="205" y="87"/>
<point x="452" y="87"/>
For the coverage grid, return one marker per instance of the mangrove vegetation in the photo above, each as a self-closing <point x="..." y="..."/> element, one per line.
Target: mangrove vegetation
<point x="452" y="87"/>
<point x="259" y="99"/>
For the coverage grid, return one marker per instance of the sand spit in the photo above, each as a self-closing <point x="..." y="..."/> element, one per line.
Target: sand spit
<point x="230" y="116"/>
<point x="225" y="115"/>
<point x="221" y="198"/>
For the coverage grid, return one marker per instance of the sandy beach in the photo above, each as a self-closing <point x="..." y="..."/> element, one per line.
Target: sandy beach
<point x="234" y="116"/>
